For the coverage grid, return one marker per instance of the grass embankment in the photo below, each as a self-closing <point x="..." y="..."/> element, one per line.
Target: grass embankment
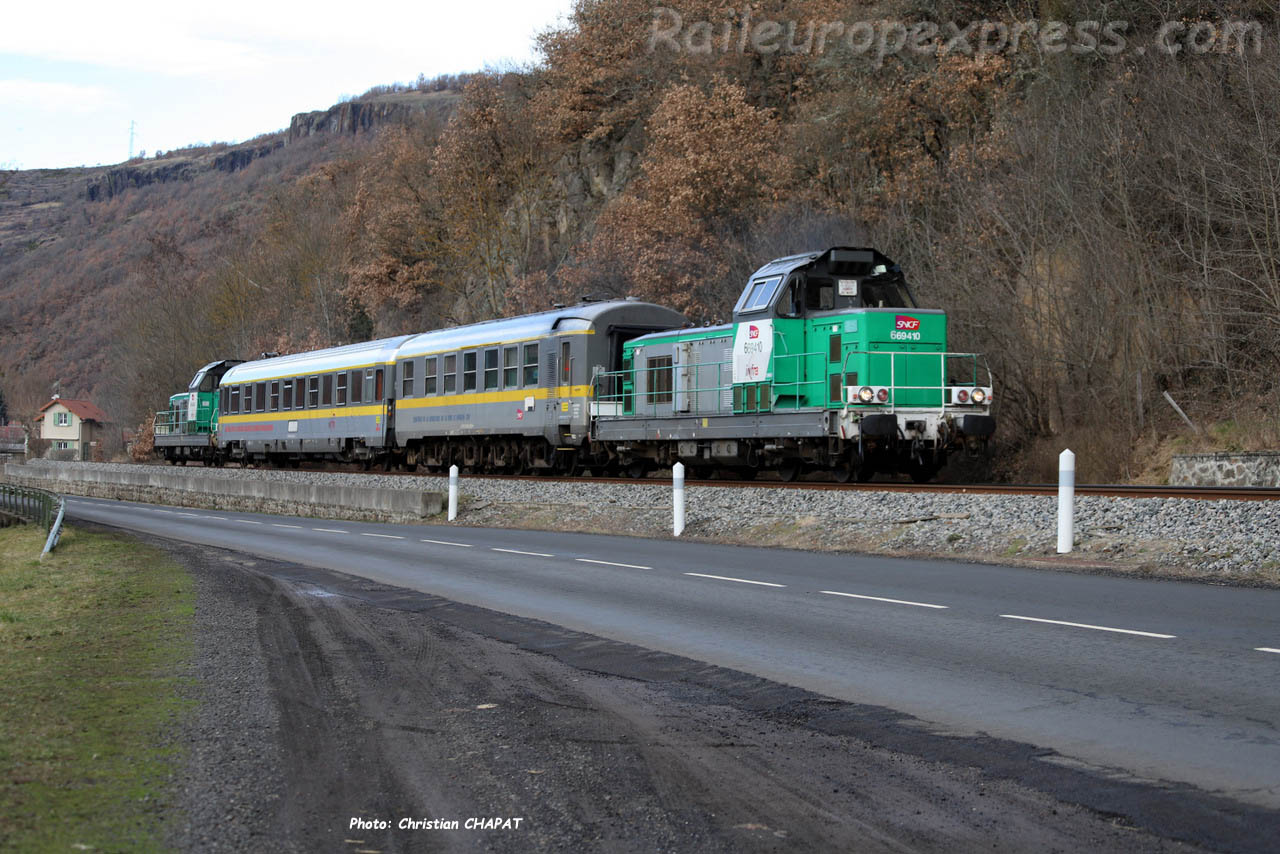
<point x="92" y="640"/>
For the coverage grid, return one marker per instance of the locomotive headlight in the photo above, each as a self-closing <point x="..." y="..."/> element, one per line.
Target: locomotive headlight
<point x="882" y="395"/>
<point x="866" y="394"/>
<point x="979" y="396"/>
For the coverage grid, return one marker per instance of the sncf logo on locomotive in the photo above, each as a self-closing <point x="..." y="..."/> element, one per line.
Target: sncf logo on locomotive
<point x="906" y="322"/>
<point x="753" y="331"/>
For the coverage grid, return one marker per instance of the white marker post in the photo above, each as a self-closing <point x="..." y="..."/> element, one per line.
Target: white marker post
<point x="1066" y="501"/>
<point x="453" y="493"/>
<point x="677" y="484"/>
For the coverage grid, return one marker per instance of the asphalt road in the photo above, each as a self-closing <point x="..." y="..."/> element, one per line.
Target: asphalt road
<point x="1154" y="680"/>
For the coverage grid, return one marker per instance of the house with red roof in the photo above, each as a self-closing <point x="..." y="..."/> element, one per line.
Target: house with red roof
<point x="72" y="425"/>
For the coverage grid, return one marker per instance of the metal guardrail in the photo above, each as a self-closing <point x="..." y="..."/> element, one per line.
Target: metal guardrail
<point x="36" y="506"/>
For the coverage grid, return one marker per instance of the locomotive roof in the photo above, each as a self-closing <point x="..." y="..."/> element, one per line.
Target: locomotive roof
<point x="851" y="254"/>
<point x="574" y="318"/>
<point x="316" y="361"/>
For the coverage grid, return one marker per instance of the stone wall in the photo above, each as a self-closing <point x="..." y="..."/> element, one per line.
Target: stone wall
<point x="153" y="485"/>
<point x="1256" y="469"/>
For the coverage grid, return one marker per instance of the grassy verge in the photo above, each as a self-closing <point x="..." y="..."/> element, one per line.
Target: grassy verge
<point x="92" y="640"/>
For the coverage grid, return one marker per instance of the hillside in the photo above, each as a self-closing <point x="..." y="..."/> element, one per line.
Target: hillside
<point x="75" y="243"/>
<point x="1087" y="188"/>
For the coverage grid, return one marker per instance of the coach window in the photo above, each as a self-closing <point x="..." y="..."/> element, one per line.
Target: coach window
<point x="326" y="390"/>
<point x="233" y="400"/>
<point x="368" y="387"/>
<point x="341" y="390"/>
<point x="378" y="392"/>
<point x="246" y="397"/>
<point x="313" y="392"/>
<point x="659" y="379"/>
<point x="469" y="371"/>
<point x="287" y="395"/>
<point x="566" y="363"/>
<point x="450" y="373"/>
<point x="490" y="369"/>
<point x="429" y="377"/>
<point x="357" y="385"/>
<point x="406" y="378"/>
<point x="299" y="393"/>
<point x="530" y="365"/>
<point x="275" y="395"/>
<point x="261" y="396"/>
<point x="511" y="367"/>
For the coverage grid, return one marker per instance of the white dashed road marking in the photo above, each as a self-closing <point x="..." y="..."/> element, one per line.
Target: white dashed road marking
<point x="249" y="521"/>
<point x="1087" y="626"/>
<point x="447" y="543"/>
<point x="739" y="580"/>
<point x="383" y="536"/>
<point x="515" y="552"/>
<point x="1267" y="649"/>
<point x="611" y="563"/>
<point x="329" y="530"/>
<point x="278" y="525"/>
<point x="883" y="599"/>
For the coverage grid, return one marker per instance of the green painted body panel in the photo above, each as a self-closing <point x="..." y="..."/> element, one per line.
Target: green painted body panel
<point x="815" y="358"/>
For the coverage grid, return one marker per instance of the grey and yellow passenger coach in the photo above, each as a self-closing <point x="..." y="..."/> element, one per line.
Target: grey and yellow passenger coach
<point x="503" y="395"/>
<point x="333" y="403"/>
<point x="515" y="394"/>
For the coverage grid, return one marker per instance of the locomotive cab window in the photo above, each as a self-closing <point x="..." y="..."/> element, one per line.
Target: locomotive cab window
<point x="759" y="294"/>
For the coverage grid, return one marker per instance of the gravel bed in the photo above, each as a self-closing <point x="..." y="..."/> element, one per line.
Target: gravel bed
<point x="1229" y="540"/>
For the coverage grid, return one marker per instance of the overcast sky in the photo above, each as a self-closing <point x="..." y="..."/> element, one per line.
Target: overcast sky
<point x="73" y="75"/>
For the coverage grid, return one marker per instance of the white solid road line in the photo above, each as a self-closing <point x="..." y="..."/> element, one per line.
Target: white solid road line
<point x="1087" y="626"/>
<point x="739" y="580"/>
<point x="515" y="552"/>
<point x="329" y="530"/>
<point x="447" y="543"/>
<point x="611" y="563"/>
<point x="384" y="536"/>
<point x="278" y="525"/>
<point x="1267" y="649"/>
<point x="883" y="599"/>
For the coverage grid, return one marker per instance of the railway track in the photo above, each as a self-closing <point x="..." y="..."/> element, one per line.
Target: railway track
<point x="1204" y="493"/>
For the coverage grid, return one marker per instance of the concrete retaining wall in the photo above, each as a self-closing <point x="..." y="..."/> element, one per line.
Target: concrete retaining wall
<point x="1256" y="469"/>
<point x="153" y="485"/>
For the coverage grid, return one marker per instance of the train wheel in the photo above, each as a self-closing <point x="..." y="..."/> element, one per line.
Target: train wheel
<point x="790" y="470"/>
<point x="637" y="469"/>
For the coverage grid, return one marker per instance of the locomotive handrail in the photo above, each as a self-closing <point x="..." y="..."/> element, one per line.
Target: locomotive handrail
<point x="609" y="386"/>
<point x="892" y="403"/>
